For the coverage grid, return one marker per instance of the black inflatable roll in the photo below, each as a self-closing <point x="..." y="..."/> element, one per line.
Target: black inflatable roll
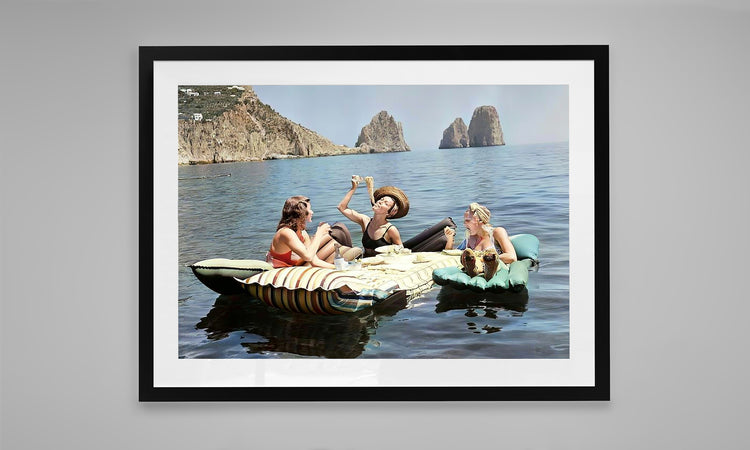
<point x="434" y="243"/>
<point x="432" y="239"/>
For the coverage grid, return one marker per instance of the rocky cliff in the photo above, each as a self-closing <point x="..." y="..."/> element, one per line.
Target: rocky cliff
<point x="456" y="135"/>
<point x="484" y="128"/>
<point x="250" y="131"/>
<point x="382" y="134"/>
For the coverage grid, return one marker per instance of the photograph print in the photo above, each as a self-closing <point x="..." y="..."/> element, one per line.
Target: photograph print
<point x="372" y="224"/>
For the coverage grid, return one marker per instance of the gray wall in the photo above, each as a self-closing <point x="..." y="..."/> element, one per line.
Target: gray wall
<point x="679" y="157"/>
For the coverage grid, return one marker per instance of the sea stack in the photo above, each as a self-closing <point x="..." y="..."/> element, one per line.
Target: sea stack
<point x="456" y="135"/>
<point x="382" y="134"/>
<point x="484" y="128"/>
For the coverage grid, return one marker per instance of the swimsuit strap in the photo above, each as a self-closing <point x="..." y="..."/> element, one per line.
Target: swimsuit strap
<point x="381" y="237"/>
<point x="371" y="244"/>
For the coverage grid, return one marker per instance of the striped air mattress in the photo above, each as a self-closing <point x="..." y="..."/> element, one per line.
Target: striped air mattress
<point x="315" y="290"/>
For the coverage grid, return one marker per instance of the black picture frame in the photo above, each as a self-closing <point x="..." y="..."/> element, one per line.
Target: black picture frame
<point x="597" y="54"/>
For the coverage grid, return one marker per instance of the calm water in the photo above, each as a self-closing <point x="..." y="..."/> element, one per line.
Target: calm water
<point x="525" y="187"/>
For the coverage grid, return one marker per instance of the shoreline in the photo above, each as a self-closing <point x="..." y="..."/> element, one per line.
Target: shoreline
<point x="278" y="156"/>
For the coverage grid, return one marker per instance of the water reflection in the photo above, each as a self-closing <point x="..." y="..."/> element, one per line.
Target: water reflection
<point x="271" y="330"/>
<point x="482" y="307"/>
<point x="450" y="298"/>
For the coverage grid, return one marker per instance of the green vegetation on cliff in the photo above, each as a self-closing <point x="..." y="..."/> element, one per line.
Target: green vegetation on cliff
<point x="209" y="101"/>
<point x="241" y="128"/>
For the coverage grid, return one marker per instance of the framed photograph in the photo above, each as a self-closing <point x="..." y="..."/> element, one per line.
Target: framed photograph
<point x="380" y="223"/>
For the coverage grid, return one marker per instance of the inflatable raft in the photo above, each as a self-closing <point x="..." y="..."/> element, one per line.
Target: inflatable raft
<point x="315" y="290"/>
<point x="508" y="277"/>
<point x="219" y="274"/>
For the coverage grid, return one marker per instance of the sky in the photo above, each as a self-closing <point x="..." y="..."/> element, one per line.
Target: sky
<point x="528" y="113"/>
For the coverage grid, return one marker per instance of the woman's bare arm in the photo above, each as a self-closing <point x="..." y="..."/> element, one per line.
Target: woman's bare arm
<point x="509" y="252"/>
<point x="351" y="214"/>
<point x="394" y="235"/>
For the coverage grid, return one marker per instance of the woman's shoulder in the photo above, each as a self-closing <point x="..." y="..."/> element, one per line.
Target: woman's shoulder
<point x="499" y="231"/>
<point x="286" y="232"/>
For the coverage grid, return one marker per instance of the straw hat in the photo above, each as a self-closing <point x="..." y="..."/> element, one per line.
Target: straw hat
<point x="397" y="195"/>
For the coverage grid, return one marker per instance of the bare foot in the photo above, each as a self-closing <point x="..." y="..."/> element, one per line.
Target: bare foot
<point x="491" y="263"/>
<point x="472" y="263"/>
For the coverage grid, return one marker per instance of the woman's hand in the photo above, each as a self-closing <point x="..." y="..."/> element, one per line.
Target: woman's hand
<point x="356" y="179"/>
<point x="323" y="229"/>
<point x="450" y="233"/>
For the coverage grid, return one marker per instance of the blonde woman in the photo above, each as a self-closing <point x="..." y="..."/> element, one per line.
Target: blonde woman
<point x="481" y="235"/>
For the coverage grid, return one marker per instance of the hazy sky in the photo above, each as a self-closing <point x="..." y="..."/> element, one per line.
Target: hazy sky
<point x="528" y="114"/>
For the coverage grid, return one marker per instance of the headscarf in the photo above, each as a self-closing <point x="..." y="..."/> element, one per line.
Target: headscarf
<point x="482" y="213"/>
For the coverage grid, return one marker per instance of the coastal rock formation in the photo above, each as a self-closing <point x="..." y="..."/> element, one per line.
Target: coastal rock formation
<point x="456" y="135"/>
<point x="382" y="134"/>
<point x="250" y="131"/>
<point x="484" y="128"/>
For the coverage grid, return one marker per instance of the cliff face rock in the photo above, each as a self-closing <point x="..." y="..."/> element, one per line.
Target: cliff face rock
<point x="484" y="128"/>
<point x="382" y="134"/>
<point x="456" y="135"/>
<point x="251" y="131"/>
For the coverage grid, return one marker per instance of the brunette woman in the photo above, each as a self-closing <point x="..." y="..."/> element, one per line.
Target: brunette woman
<point x="292" y="245"/>
<point x="388" y="202"/>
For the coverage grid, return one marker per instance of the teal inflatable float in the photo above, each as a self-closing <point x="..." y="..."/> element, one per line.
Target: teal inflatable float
<point x="513" y="277"/>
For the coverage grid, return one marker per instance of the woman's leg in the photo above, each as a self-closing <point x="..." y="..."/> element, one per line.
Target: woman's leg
<point x="339" y="233"/>
<point x="351" y="253"/>
<point x="328" y="251"/>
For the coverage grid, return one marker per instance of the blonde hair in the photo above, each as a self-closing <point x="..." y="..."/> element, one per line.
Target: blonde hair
<point x="481" y="212"/>
<point x="483" y="215"/>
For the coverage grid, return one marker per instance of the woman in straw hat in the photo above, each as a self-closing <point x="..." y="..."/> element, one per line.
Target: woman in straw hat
<point x="388" y="202"/>
<point x="292" y="245"/>
<point x="482" y="236"/>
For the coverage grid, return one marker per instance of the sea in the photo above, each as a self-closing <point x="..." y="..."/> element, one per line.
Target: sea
<point x="231" y="210"/>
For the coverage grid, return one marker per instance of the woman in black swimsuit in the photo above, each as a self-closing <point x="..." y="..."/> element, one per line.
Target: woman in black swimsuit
<point x="389" y="202"/>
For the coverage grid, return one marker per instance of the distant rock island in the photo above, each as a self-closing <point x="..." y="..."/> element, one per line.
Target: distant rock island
<point x="456" y="135"/>
<point x="484" y="130"/>
<point x="382" y="134"/>
<point x="239" y="127"/>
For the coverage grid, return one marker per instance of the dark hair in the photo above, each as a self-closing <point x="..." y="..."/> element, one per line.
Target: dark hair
<point x="392" y="208"/>
<point x="295" y="208"/>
